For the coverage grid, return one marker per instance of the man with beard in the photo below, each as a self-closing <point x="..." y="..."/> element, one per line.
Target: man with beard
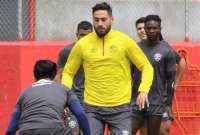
<point x="106" y="55"/>
<point x="162" y="58"/>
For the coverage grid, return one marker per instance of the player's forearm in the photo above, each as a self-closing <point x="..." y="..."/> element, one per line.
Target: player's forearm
<point x="170" y="87"/>
<point x="84" y="124"/>
<point x="147" y="78"/>
<point x="13" y="124"/>
<point x="67" y="80"/>
<point x="71" y="67"/>
<point x="77" y="109"/>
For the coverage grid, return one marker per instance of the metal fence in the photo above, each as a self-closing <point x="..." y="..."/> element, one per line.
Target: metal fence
<point x="57" y="19"/>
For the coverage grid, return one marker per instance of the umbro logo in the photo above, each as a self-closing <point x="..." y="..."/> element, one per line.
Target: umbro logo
<point x="93" y="50"/>
<point x="113" y="48"/>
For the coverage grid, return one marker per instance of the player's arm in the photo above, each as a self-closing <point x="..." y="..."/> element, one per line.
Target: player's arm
<point x="61" y="61"/>
<point x="76" y="108"/>
<point x="181" y="66"/>
<point x="73" y="63"/>
<point x="13" y="124"/>
<point x="15" y="117"/>
<point x="170" y="71"/>
<point x="138" y="58"/>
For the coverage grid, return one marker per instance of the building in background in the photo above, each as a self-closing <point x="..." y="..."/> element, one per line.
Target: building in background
<point x="56" y="20"/>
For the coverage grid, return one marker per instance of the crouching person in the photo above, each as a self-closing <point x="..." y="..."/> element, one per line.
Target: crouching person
<point x="39" y="108"/>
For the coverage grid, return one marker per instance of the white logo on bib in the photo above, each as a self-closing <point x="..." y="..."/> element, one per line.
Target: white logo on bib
<point x="72" y="124"/>
<point x="157" y="57"/>
<point x="125" y="132"/>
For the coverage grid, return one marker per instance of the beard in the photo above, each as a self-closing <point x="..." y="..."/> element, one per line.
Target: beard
<point x="102" y="33"/>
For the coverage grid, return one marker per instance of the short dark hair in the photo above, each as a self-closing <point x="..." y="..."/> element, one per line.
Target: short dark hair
<point x="153" y="18"/>
<point x="45" y="69"/>
<point x="139" y="20"/>
<point x="102" y="6"/>
<point x="84" y="25"/>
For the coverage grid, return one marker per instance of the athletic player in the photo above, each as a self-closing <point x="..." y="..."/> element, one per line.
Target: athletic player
<point x="106" y="55"/>
<point x="181" y="65"/>
<point x="162" y="58"/>
<point x="39" y="109"/>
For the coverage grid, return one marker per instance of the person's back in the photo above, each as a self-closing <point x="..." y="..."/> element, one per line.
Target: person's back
<point x="39" y="108"/>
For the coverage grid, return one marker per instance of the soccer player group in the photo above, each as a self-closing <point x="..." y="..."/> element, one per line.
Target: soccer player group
<point x="120" y="84"/>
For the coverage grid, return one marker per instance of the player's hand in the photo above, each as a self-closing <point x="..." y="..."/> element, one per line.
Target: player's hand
<point x="66" y="110"/>
<point x="175" y="86"/>
<point x="142" y="99"/>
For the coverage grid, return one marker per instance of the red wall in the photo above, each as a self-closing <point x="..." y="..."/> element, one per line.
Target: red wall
<point x="17" y="60"/>
<point x="9" y="82"/>
<point x="33" y="51"/>
<point x="16" y="68"/>
<point x="193" y="51"/>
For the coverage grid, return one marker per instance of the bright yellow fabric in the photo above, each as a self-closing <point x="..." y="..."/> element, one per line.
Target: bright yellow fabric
<point x="106" y="63"/>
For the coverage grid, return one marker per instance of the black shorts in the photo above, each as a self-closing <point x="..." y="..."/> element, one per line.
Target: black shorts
<point x="152" y="110"/>
<point x="167" y="114"/>
<point x="144" y="124"/>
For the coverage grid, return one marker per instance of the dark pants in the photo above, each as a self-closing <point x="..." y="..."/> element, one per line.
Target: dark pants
<point x="48" y="131"/>
<point x="117" y="118"/>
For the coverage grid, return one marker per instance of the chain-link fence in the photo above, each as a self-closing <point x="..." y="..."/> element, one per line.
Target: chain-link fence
<point x="57" y="19"/>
